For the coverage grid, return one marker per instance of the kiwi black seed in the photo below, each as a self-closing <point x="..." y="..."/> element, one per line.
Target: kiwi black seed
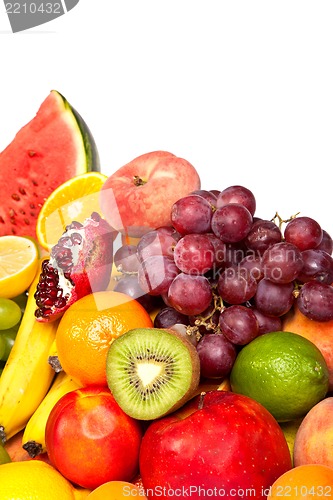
<point x="152" y="371"/>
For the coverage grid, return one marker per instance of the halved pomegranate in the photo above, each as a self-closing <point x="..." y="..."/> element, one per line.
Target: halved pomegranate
<point x="79" y="264"/>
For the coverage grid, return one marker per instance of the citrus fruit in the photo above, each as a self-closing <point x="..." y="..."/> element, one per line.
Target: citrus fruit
<point x="18" y="265"/>
<point x="283" y="371"/>
<point x="87" y="329"/>
<point x="75" y="199"/>
<point x="116" y="490"/>
<point x="304" y="482"/>
<point x="33" y="480"/>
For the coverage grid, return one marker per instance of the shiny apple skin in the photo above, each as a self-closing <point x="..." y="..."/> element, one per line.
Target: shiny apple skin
<point x="90" y="440"/>
<point x="219" y="444"/>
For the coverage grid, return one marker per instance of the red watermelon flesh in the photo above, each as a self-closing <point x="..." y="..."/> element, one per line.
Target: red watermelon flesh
<point x="53" y="147"/>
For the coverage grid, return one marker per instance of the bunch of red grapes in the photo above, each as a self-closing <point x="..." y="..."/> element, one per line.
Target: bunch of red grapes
<point x="224" y="276"/>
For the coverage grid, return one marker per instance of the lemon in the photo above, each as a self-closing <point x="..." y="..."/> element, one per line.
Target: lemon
<point x="18" y="265"/>
<point x="33" y="480"/>
<point x="75" y="199"/>
<point x="283" y="371"/>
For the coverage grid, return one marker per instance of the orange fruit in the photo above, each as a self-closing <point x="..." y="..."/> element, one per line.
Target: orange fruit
<point x="87" y="329"/>
<point x="75" y="199"/>
<point x="116" y="490"/>
<point x="304" y="482"/>
<point x="33" y="479"/>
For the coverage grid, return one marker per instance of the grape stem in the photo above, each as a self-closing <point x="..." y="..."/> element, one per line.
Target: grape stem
<point x="282" y="221"/>
<point x="297" y="289"/>
<point x="206" y="321"/>
<point x="127" y="273"/>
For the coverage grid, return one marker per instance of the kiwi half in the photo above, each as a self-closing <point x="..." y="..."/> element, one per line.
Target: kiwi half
<point x="152" y="372"/>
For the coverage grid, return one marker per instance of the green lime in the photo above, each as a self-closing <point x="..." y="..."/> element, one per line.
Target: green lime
<point x="284" y="372"/>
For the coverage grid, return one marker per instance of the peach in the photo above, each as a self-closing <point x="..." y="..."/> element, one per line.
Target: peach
<point x="314" y="438"/>
<point x="138" y="197"/>
<point x="320" y="333"/>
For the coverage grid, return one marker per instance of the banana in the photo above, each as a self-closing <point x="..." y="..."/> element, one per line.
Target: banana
<point x="27" y="375"/>
<point x="33" y="439"/>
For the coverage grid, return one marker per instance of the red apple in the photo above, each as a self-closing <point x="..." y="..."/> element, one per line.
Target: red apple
<point x="220" y="444"/>
<point x="138" y="197"/>
<point x="90" y="440"/>
<point x="314" y="438"/>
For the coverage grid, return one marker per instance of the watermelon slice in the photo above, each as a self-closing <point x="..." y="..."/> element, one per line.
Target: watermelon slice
<point x="53" y="147"/>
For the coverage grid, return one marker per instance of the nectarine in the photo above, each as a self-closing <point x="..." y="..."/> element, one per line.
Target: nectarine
<point x="138" y="197"/>
<point x="320" y="333"/>
<point x="314" y="438"/>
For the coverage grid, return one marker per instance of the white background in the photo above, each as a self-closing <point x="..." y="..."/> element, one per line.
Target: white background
<point x="241" y="89"/>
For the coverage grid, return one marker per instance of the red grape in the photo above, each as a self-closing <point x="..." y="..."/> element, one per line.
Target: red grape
<point x="317" y="265"/>
<point x="236" y="285"/>
<point x="274" y="299"/>
<point x="262" y="235"/>
<point x="190" y="294"/>
<point x="326" y="243"/>
<point x="303" y="232"/>
<point x="237" y="194"/>
<point x="192" y="214"/>
<point x="231" y="223"/>
<point x="208" y="195"/>
<point x="157" y="242"/>
<point x="253" y="265"/>
<point x="129" y="285"/>
<point x="168" y="316"/>
<point x="239" y="324"/>
<point x="217" y="355"/>
<point x="194" y="254"/>
<point x="282" y="262"/>
<point x="126" y="259"/>
<point x="267" y="323"/>
<point x="315" y="301"/>
<point x="220" y="250"/>
<point x="156" y="273"/>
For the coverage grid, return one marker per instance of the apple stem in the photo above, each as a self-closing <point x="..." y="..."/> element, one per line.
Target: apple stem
<point x="138" y="181"/>
<point x="201" y="400"/>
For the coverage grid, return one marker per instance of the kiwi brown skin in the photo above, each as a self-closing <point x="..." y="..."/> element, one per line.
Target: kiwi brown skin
<point x="195" y="372"/>
<point x="194" y="382"/>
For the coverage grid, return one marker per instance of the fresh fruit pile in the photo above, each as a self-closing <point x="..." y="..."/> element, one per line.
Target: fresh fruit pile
<point x="219" y="269"/>
<point x="156" y="339"/>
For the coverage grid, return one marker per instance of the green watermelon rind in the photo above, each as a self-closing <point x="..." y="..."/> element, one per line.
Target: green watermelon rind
<point x="90" y="147"/>
<point x="22" y="196"/>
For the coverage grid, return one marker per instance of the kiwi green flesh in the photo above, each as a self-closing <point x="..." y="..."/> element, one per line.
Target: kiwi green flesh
<point x="152" y="372"/>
